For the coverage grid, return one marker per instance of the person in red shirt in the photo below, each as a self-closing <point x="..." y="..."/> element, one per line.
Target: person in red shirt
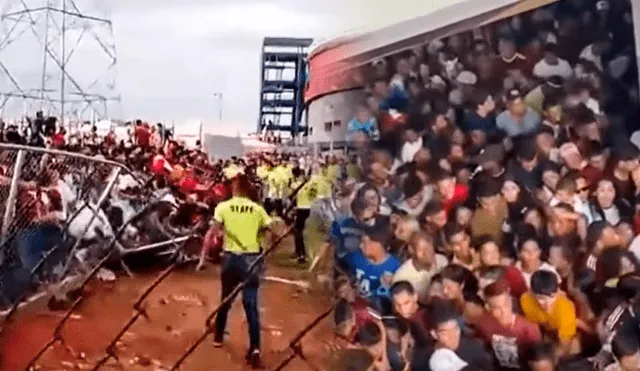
<point x="57" y="140"/>
<point x="506" y="333"/>
<point x="110" y="139"/>
<point x="451" y="194"/>
<point x="142" y="134"/>
<point x="573" y="160"/>
<point x="354" y="310"/>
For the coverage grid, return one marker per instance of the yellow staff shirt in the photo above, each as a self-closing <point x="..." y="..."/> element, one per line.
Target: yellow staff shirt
<point x="279" y="179"/>
<point x="333" y="172"/>
<point x="316" y="187"/>
<point x="242" y="220"/>
<point x="263" y="172"/>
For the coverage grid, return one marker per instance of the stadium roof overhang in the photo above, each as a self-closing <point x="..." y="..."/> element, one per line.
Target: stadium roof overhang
<point x="450" y="20"/>
<point x="329" y="63"/>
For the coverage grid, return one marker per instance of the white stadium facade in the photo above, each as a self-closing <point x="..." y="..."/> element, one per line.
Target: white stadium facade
<point x="333" y="91"/>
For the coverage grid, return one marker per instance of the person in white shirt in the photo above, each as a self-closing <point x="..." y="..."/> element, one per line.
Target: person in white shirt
<point x="422" y="266"/>
<point x="412" y="144"/>
<point x="593" y="52"/>
<point x="567" y="192"/>
<point x="552" y="65"/>
<point x="529" y="259"/>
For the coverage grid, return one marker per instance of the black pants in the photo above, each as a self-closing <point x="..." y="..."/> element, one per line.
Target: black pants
<point x="235" y="269"/>
<point x="301" y="218"/>
<point x="272" y="205"/>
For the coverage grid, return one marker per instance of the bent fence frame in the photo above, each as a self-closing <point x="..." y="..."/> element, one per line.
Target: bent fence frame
<point x="114" y="252"/>
<point x="9" y="214"/>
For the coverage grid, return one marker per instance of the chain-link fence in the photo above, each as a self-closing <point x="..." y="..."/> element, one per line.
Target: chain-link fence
<point x="57" y="240"/>
<point x="52" y="205"/>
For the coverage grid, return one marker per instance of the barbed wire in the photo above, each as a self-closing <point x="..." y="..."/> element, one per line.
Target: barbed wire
<point x="88" y="169"/>
<point x="138" y="307"/>
<point x="294" y="343"/>
<point x="57" y="333"/>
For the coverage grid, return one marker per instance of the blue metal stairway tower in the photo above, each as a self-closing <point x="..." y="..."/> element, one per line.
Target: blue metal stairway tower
<point x="284" y="65"/>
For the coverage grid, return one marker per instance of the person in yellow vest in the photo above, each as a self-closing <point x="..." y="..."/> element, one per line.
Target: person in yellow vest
<point x="333" y="169"/>
<point x="307" y="191"/>
<point x="278" y="181"/>
<point x="263" y="170"/>
<point x="242" y="221"/>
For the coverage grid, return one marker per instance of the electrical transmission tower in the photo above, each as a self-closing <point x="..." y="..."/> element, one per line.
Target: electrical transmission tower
<point x="58" y="57"/>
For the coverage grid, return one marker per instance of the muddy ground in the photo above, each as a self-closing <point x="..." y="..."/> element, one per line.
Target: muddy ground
<point x="177" y="309"/>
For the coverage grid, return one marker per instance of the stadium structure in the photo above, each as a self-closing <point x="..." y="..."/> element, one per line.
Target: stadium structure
<point x="334" y="87"/>
<point x="284" y="64"/>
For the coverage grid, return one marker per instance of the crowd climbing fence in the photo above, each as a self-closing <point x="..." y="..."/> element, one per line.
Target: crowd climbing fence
<point x="56" y="242"/>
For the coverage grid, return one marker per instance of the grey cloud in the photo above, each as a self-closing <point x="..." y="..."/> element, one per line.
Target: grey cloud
<point x="173" y="55"/>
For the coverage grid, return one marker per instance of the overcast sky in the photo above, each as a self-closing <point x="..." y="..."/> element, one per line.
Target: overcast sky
<point x="174" y="55"/>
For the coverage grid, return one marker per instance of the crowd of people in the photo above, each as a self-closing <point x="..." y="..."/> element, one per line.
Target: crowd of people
<point x="52" y="187"/>
<point x="496" y="224"/>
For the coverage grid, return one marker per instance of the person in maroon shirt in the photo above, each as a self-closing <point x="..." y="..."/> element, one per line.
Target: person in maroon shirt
<point x="354" y="313"/>
<point x="142" y="135"/>
<point x="506" y="333"/>
<point x="405" y="304"/>
<point x="516" y="65"/>
<point x="491" y="257"/>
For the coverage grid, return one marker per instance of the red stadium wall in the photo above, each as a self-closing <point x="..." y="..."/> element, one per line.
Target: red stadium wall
<point x="328" y="73"/>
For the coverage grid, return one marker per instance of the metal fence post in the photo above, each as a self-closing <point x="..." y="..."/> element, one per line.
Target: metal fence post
<point x="103" y="197"/>
<point x="13" y="195"/>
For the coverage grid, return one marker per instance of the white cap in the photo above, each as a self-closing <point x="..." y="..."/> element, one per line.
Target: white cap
<point x="635" y="138"/>
<point x="446" y="360"/>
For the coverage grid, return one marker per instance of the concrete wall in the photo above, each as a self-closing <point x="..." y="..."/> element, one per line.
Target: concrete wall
<point x="329" y="115"/>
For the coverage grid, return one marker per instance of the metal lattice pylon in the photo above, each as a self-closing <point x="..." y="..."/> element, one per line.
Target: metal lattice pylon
<point x="59" y="57"/>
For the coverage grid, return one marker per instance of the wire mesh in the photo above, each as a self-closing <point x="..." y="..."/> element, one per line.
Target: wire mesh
<point x="41" y="215"/>
<point x="93" y="189"/>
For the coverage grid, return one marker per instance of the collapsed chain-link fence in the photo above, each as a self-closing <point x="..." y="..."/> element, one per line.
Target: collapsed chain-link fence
<point x="56" y="242"/>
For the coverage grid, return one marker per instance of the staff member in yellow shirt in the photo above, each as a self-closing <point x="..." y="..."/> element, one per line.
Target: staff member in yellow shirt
<point x="242" y="220"/>
<point x="550" y="308"/>
<point x="307" y="191"/>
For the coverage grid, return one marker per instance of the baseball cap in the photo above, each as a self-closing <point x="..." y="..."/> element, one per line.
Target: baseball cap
<point x="569" y="149"/>
<point x="446" y="360"/>
<point x="467" y="78"/>
<point x="513" y="94"/>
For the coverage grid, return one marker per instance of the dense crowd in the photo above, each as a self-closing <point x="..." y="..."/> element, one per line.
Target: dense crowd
<point x="53" y="187"/>
<point x="496" y="223"/>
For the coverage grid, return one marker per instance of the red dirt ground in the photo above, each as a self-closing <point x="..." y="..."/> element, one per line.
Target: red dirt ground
<point x="177" y="310"/>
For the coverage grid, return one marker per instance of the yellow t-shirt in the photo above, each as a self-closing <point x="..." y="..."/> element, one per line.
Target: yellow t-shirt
<point x="278" y="180"/>
<point x="316" y="187"/>
<point x="242" y="220"/>
<point x="562" y="318"/>
<point x="263" y="172"/>
<point x="333" y="172"/>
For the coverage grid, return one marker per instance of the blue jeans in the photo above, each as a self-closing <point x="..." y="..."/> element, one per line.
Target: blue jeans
<point x="33" y="242"/>
<point x="235" y="269"/>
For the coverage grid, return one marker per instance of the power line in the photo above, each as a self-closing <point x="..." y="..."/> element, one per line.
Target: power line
<point x="59" y="57"/>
